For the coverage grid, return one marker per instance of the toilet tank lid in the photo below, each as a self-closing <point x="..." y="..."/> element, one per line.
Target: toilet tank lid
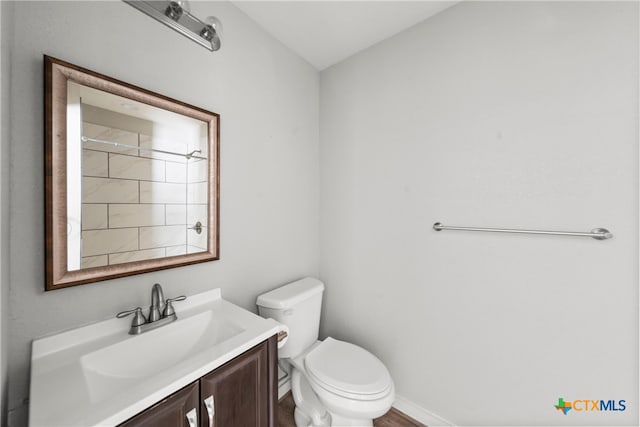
<point x="290" y="294"/>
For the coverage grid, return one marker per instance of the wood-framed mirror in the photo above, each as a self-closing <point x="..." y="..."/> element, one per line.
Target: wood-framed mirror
<point x="131" y="179"/>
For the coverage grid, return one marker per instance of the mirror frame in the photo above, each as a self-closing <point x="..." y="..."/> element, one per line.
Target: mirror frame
<point x="56" y="75"/>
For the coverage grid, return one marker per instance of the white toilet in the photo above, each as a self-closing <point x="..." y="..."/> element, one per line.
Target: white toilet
<point x="334" y="383"/>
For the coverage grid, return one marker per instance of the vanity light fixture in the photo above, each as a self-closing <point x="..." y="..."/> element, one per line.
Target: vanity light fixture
<point x="176" y="8"/>
<point x="212" y="31"/>
<point x="177" y="15"/>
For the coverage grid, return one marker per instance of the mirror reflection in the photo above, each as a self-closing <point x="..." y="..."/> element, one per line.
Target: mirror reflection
<point x="139" y="189"/>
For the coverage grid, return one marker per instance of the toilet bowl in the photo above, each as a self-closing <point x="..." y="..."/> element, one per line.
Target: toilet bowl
<point x="351" y="383"/>
<point x="334" y="383"/>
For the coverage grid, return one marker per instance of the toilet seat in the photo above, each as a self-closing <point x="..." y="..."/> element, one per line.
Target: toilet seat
<point x="347" y="370"/>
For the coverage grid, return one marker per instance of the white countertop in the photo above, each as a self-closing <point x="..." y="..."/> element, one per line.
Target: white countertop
<point x="64" y="394"/>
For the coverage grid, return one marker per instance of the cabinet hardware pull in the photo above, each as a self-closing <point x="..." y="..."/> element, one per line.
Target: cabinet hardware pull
<point x="208" y="403"/>
<point x="192" y="418"/>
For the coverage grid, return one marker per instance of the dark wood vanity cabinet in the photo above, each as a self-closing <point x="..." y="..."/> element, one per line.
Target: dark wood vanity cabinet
<point x="241" y="393"/>
<point x="169" y="412"/>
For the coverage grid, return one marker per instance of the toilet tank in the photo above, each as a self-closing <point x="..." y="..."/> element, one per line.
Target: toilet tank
<point x="296" y="305"/>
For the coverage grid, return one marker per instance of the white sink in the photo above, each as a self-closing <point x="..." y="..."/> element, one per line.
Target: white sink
<point x="99" y="375"/>
<point x="142" y="356"/>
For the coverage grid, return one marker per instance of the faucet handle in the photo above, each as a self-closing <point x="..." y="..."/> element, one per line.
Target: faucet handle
<point x="168" y="308"/>
<point x="138" y="317"/>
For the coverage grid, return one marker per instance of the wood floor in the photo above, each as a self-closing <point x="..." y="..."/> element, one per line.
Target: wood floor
<point x="393" y="418"/>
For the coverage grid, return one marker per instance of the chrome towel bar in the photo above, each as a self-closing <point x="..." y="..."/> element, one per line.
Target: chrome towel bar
<point x="596" y="233"/>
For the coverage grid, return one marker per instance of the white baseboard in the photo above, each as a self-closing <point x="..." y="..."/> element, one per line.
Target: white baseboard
<point x="420" y="414"/>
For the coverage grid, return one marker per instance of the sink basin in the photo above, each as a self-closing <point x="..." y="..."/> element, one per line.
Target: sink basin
<point x="99" y="375"/>
<point x="142" y="356"/>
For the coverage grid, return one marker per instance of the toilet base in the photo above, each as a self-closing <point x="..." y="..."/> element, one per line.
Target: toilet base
<point x="309" y="411"/>
<point x="338" y="420"/>
<point x="302" y="420"/>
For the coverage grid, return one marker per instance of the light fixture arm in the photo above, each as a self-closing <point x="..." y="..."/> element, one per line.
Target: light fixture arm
<point x="173" y="15"/>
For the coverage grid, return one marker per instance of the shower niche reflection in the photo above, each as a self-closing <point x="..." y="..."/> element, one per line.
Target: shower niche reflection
<point x="134" y="179"/>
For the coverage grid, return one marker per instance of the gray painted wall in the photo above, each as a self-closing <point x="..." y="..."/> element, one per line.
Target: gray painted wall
<point x="268" y="101"/>
<point x="6" y="28"/>
<point x="505" y="114"/>
<point x="489" y="114"/>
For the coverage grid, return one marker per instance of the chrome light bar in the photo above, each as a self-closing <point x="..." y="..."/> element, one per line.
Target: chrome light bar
<point x="174" y="16"/>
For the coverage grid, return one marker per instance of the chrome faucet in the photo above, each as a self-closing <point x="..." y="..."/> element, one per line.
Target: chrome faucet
<point x="161" y="312"/>
<point x="157" y="301"/>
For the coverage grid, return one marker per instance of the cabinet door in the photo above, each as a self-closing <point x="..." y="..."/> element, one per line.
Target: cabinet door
<point x="178" y="410"/>
<point x="242" y="392"/>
